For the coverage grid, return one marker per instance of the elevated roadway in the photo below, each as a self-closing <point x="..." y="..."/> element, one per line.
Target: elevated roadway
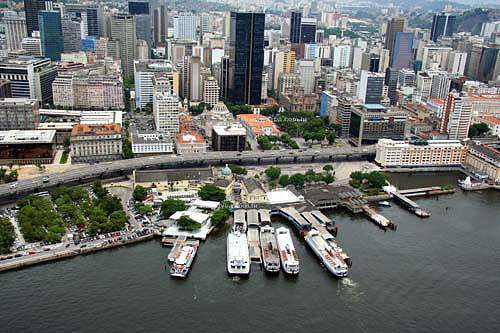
<point x="123" y="167"/>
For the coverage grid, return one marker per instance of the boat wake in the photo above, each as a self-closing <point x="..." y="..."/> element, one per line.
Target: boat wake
<point x="236" y="278"/>
<point x="349" y="283"/>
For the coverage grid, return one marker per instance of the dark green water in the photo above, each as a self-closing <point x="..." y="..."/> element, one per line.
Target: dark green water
<point x="436" y="274"/>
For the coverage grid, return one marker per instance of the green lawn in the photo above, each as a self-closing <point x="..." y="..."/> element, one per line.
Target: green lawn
<point x="64" y="157"/>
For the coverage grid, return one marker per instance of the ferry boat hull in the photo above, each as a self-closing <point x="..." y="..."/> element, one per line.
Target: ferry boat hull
<point x="182" y="264"/>
<point x="238" y="260"/>
<point x="288" y="255"/>
<point x="329" y="259"/>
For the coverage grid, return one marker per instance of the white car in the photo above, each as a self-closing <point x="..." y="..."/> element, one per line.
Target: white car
<point x="14" y="185"/>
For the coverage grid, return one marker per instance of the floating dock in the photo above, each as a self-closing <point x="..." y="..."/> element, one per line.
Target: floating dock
<point x="253" y="237"/>
<point x="410" y="204"/>
<point x="179" y="243"/>
<point x="378" y="219"/>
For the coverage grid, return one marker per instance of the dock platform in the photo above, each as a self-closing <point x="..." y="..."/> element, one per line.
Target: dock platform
<point x="378" y="219"/>
<point x="410" y="204"/>
<point x="179" y="243"/>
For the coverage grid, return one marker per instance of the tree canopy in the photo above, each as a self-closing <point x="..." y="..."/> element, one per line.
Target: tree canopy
<point x="170" y="206"/>
<point x="273" y="173"/>
<point x="7" y="235"/>
<point x="211" y="192"/>
<point x="139" y="193"/>
<point x="185" y="222"/>
<point x="478" y="129"/>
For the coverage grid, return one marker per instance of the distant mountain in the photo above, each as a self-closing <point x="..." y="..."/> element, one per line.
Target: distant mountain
<point x="472" y="20"/>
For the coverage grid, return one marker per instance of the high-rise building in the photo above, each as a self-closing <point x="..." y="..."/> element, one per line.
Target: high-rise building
<point x="456" y="63"/>
<point x="229" y="138"/>
<point x="138" y="8"/>
<point x="94" y="21"/>
<point x="246" y="57"/>
<point x="160" y="24"/>
<point x="51" y="35"/>
<point x="19" y="114"/>
<point x="143" y="29"/>
<point x="391" y="81"/>
<point x="295" y="22"/>
<point x="72" y="40"/>
<point x="440" y="86"/>
<point x="165" y="107"/>
<point x="406" y="77"/>
<point x="284" y="62"/>
<point x="123" y="30"/>
<point x="442" y="25"/>
<point x="396" y="24"/>
<point x="5" y="90"/>
<point x="31" y="77"/>
<point x="402" y="51"/>
<point x="15" y="31"/>
<point x="185" y="26"/>
<point x="204" y="23"/>
<point x="457" y="115"/>
<point x="341" y="56"/>
<point x="305" y="68"/>
<point x="195" y="80"/>
<point x="371" y="86"/>
<point x="211" y="91"/>
<point x="308" y="30"/>
<point x="224" y="78"/>
<point x="142" y="52"/>
<point x="32" y="46"/>
<point x="144" y="74"/>
<point x="31" y="9"/>
<point x="489" y="65"/>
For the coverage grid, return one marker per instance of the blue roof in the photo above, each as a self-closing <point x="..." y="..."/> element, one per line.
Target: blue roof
<point x="375" y="106"/>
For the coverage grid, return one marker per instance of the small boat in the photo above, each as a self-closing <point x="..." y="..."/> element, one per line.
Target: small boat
<point x="384" y="203"/>
<point x="289" y="258"/>
<point x="182" y="264"/>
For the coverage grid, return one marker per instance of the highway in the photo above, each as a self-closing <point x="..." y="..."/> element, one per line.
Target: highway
<point x="110" y="169"/>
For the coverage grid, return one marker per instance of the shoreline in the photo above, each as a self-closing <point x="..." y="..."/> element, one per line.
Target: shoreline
<point x="49" y="257"/>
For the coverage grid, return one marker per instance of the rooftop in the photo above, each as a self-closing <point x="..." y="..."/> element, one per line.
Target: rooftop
<point x="96" y="129"/>
<point x="491" y="119"/>
<point x="257" y="122"/>
<point x="189" y="137"/>
<point x="430" y="143"/>
<point x="234" y="129"/>
<point x="21" y="137"/>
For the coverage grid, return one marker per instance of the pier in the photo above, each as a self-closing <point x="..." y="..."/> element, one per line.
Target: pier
<point x="410" y="204"/>
<point x="253" y="224"/>
<point x="178" y="245"/>
<point x="378" y="219"/>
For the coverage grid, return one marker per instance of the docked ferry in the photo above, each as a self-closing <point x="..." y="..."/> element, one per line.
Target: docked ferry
<point x="238" y="260"/>
<point x="270" y="253"/>
<point x="330" y="255"/>
<point x="183" y="260"/>
<point x="288" y="255"/>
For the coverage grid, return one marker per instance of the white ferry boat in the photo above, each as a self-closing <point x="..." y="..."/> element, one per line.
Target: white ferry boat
<point x="238" y="260"/>
<point x="330" y="256"/>
<point x="183" y="261"/>
<point x="270" y="253"/>
<point x="289" y="257"/>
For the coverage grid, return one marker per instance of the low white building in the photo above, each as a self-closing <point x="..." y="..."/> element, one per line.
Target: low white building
<point x="283" y="197"/>
<point x="151" y="143"/>
<point x="392" y="153"/>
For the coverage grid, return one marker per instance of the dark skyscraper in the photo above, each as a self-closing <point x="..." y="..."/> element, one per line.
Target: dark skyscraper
<point x="93" y="21"/>
<point x="160" y="24"/>
<point x="246" y="57"/>
<point x="138" y="8"/>
<point x="402" y="50"/>
<point x="295" y="22"/>
<point x="51" y="35"/>
<point x="442" y="25"/>
<point x="31" y="9"/>
<point x="391" y="81"/>
<point x="395" y="25"/>
<point x="308" y="31"/>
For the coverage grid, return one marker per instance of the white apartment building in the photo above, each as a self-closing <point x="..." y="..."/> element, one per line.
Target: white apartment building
<point x="211" y="91"/>
<point x="151" y="143"/>
<point x="342" y="56"/>
<point x="32" y="46"/>
<point x="145" y="72"/>
<point x="165" y="108"/>
<point x="457" y="116"/>
<point x="185" y="26"/>
<point x="390" y="153"/>
<point x="15" y="31"/>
